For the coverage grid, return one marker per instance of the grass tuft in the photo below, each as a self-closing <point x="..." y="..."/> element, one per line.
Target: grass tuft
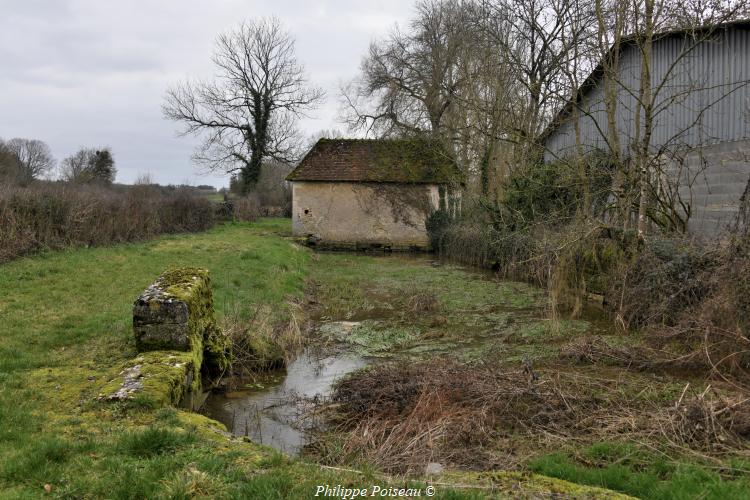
<point x="154" y="441"/>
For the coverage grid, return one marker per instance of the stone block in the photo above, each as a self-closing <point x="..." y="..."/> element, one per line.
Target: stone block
<point x="167" y="336"/>
<point x="175" y="330"/>
<point x="174" y="312"/>
<point x="153" y="310"/>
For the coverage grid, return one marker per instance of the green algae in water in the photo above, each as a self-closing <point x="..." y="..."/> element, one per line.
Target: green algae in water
<point x="369" y="337"/>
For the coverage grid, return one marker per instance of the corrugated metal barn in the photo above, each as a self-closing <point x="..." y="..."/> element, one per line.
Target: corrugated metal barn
<point x="701" y="85"/>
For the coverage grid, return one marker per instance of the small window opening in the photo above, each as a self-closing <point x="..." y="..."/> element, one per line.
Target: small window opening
<point x="307" y="211"/>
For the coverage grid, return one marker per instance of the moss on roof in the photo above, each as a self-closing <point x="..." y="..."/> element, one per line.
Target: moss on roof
<point x="378" y="160"/>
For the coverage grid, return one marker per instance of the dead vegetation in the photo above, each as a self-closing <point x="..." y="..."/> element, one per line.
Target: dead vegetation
<point x="264" y="340"/>
<point x="58" y="215"/>
<point x="598" y="350"/>
<point x="691" y="300"/>
<point x="423" y="302"/>
<point x="402" y="417"/>
<point x="668" y="374"/>
<point x="707" y="422"/>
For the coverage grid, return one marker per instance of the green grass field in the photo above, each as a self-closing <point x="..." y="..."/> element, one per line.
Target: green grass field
<point x="66" y="320"/>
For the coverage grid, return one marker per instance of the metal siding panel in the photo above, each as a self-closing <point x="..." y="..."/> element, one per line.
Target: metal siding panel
<point x="699" y="82"/>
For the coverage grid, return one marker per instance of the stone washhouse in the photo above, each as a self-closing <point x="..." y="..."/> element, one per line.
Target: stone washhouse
<point x="372" y="194"/>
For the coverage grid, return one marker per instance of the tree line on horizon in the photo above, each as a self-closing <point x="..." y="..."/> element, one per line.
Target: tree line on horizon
<point x="23" y="161"/>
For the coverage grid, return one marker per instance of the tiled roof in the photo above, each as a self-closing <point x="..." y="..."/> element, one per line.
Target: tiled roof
<point x="377" y="160"/>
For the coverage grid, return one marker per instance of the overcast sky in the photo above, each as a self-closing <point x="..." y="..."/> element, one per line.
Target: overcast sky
<point x="93" y="73"/>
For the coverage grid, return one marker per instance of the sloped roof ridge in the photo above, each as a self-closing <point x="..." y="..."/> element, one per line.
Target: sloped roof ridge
<point x="395" y="160"/>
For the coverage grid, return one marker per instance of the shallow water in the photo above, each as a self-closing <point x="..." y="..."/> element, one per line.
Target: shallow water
<point x="266" y="412"/>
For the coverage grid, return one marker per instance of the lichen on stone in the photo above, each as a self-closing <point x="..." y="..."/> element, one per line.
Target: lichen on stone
<point x="131" y="382"/>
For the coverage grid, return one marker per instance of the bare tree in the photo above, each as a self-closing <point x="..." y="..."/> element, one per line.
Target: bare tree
<point x="249" y="112"/>
<point x="540" y="34"/>
<point x="75" y="168"/>
<point x="409" y="81"/>
<point x="33" y="158"/>
<point x="646" y="185"/>
<point x="89" y="166"/>
<point x="488" y="101"/>
<point x="483" y="76"/>
<point x="525" y="59"/>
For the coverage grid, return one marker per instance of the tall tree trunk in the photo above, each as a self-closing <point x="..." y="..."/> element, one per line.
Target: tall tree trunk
<point x="611" y="69"/>
<point x="250" y="173"/>
<point x="643" y="155"/>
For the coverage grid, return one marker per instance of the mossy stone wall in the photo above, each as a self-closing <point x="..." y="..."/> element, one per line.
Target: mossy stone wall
<point x="180" y="343"/>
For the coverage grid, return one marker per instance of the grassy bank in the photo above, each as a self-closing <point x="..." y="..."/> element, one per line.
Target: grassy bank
<point x="66" y="320"/>
<point x="66" y="323"/>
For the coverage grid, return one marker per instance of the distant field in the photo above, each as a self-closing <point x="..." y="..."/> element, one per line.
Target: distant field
<point x="217" y="197"/>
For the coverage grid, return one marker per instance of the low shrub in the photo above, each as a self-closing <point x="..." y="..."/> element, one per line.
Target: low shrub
<point x="692" y="299"/>
<point x="436" y="224"/>
<point x="57" y="215"/>
<point x="555" y="193"/>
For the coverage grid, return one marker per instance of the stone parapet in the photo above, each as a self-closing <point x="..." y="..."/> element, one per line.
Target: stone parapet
<point x="181" y="346"/>
<point x="175" y="312"/>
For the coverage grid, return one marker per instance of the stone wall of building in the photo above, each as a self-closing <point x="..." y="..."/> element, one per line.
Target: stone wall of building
<point x="363" y="215"/>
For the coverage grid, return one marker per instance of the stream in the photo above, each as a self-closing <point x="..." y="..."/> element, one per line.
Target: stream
<point x="267" y="408"/>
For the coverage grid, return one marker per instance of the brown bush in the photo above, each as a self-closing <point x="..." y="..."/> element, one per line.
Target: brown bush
<point x="692" y="299"/>
<point x="513" y="254"/>
<point x="57" y="215"/>
<point x="401" y="417"/>
<point x="246" y="208"/>
<point x="423" y="301"/>
<point x="592" y="350"/>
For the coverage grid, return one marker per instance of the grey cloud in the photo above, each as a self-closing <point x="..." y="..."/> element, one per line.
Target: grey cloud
<point x="93" y="73"/>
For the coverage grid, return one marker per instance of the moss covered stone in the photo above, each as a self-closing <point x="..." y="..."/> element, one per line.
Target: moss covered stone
<point x="174" y="312"/>
<point x="179" y="341"/>
<point x="406" y="160"/>
<point x="177" y="313"/>
<point x="216" y="351"/>
<point x="508" y="484"/>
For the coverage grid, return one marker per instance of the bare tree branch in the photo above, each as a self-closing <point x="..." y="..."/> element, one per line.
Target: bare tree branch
<point x="249" y="112"/>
